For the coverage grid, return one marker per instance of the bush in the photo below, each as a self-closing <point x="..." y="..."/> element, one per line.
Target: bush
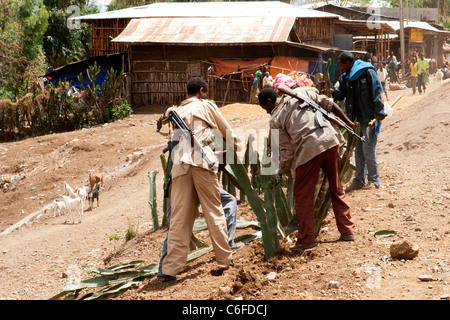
<point x="119" y="112"/>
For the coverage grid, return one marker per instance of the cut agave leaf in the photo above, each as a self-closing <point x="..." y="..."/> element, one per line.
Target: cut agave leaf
<point x="105" y="294"/>
<point x="200" y="224"/>
<point x="246" y="238"/>
<point x="385" y="233"/>
<point x="198" y="253"/>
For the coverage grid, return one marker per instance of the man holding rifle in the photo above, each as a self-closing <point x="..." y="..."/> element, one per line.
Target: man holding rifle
<point x="361" y="89"/>
<point x="307" y="143"/>
<point x="194" y="180"/>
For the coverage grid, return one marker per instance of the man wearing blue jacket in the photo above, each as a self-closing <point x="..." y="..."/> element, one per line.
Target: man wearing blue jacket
<point x="360" y="87"/>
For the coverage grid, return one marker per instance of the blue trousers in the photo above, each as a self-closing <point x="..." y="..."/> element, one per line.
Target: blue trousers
<point x="366" y="159"/>
<point x="229" y="204"/>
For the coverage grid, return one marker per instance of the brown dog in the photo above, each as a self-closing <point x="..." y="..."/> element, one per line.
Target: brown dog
<point x="95" y="178"/>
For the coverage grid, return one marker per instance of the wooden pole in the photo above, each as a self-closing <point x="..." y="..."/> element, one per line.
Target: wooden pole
<point x="226" y="92"/>
<point x="402" y="40"/>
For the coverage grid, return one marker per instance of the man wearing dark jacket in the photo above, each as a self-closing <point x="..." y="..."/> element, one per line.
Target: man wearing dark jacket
<point x="361" y="89"/>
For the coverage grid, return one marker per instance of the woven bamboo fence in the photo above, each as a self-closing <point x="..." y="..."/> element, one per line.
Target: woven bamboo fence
<point x="58" y="109"/>
<point x="163" y="83"/>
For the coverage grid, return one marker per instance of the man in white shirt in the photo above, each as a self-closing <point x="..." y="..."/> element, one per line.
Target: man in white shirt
<point x="382" y="75"/>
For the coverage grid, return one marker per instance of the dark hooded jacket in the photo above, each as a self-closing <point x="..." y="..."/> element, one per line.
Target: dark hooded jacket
<point x="361" y="90"/>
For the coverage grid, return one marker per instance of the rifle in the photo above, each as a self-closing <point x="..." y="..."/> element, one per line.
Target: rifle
<point x="188" y="133"/>
<point x="316" y="107"/>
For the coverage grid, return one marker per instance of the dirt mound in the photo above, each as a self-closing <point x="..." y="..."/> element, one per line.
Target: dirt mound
<point x="420" y="129"/>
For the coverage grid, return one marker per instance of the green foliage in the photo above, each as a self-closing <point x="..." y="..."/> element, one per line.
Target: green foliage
<point x="22" y="24"/>
<point x="59" y="108"/>
<point x="119" y="112"/>
<point x="122" y="4"/>
<point x="109" y="105"/>
<point x="114" y="237"/>
<point x="64" y="44"/>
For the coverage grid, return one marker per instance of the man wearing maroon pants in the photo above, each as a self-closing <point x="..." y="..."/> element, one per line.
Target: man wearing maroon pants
<point x="306" y="145"/>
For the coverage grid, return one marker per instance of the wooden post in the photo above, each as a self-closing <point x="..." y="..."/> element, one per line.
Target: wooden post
<point x="226" y="92"/>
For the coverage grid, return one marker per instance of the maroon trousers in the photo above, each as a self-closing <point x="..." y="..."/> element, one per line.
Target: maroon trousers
<point x="306" y="177"/>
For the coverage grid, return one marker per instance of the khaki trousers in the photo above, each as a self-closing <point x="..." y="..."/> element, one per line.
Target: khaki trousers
<point x="198" y="185"/>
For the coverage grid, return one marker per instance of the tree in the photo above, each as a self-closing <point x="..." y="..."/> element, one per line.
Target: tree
<point x="22" y="23"/>
<point x="64" y="43"/>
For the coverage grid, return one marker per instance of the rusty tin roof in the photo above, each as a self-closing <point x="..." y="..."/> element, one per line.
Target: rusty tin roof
<point x="213" y="31"/>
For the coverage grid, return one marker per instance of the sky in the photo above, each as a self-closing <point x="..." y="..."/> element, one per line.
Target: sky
<point x="102" y="4"/>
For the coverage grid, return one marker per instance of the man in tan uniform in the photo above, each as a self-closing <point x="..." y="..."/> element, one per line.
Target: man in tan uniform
<point x="306" y="146"/>
<point x="194" y="182"/>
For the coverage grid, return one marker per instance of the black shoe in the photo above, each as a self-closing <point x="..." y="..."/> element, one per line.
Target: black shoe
<point x="299" y="246"/>
<point x="292" y="226"/>
<point x="167" y="279"/>
<point x="347" y="237"/>
<point x="352" y="187"/>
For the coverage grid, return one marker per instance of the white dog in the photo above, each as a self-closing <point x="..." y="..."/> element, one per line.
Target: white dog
<point x="72" y="204"/>
<point x="58" y="207"/>
<point x="83" y="194"/>
<point x="68" y="190"/>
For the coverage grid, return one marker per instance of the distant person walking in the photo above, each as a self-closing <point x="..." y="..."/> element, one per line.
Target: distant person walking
<point x="392" y="67"/>
<point x="422" y="68"/>
<point x="413" y="67"/>
<point x="382" y="75"/>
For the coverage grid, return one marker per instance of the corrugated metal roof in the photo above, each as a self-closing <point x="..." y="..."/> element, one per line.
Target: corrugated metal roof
<point x="369" y="25"/>
<point x="211" y="9"/>
<point x="414" y="24"/>
<point x="230" y="30"/>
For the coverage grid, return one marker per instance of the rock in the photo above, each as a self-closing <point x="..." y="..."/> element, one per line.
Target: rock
<point x="425" y="277"/>
<point x="271" y="276"/>
<point x="136" y="156"/>
<point x="404" y="250"/>
<point x="333" y="284"/>
<point x="445" y="297"/>
<point x="225" y="289"/>
<point x="132" y="158"/>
